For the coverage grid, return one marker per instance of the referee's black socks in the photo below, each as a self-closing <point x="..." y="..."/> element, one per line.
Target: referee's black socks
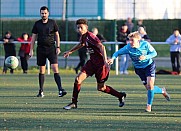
<point x="41" y="81"/>
<point x="58" y="81"/>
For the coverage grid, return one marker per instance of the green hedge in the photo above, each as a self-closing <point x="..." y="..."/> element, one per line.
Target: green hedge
<point x="158" y="30"/>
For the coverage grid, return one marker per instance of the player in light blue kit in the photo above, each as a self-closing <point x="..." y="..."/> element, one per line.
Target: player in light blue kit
<point x="141" y="53"/>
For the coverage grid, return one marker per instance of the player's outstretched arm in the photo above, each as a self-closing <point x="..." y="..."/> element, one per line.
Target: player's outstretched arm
<point x="110" y="61"/>
<point x="66" y="54"/>
<point x="76" y="47"/>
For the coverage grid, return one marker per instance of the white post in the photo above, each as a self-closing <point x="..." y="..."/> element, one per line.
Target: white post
<point x="117" y="60"/>
<point x="64" y="10"/>
<point x="48" y="66"/>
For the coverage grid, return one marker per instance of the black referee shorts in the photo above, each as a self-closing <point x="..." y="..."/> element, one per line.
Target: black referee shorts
<point x="44" y="53"/>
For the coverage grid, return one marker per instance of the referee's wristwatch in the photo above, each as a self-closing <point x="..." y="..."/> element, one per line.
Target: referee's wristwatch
<point x="58" y="47"/>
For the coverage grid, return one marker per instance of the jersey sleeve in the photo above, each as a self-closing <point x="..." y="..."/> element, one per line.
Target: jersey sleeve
<point x="151" y="51"/>
<point x="120" y="52"/>
<point x="34" y="30"/>
<point x="55" y="27"/>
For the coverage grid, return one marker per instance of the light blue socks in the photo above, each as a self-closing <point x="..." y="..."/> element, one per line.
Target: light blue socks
<point x="150" y="96"/>
<point x="157" y="90"/>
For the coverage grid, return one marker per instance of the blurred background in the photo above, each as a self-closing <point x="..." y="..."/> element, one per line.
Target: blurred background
<point x="159" y="17"/>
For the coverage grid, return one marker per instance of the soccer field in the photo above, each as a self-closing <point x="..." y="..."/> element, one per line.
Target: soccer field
<point x="20" y="109"/>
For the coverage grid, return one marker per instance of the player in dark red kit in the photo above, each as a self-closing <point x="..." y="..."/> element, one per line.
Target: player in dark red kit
<point x="97" y="64"/>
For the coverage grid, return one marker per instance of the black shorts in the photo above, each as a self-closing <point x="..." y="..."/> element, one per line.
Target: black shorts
<point x="44" y="53"/>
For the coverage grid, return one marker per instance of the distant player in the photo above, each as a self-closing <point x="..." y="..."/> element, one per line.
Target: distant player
<point x="96" y="65"/>
<point x="141" y="53"/>
<point x="46" y="32"/>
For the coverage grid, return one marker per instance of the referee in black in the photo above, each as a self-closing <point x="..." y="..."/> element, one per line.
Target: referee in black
<point x="45" y="31"/>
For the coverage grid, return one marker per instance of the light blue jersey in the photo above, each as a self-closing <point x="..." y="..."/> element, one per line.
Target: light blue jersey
<point x="145" y="49"/>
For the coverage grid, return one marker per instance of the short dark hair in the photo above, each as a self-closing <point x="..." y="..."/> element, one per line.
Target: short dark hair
<point x="82" y="21"/>
<point x="176" y="29"/>
<point x="44" y="8"/>
<point x="8" y="32"/>
<point x="22" y="35"/>
<point x="124" y="24"/>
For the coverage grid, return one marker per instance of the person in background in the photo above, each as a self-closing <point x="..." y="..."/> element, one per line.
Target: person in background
<point x="83" y="54"/>
<point x="141" y="53"/>
<point x="140" y="24"/>
<point x="130" y="24"/>
<point x="143" y="34"/>
<point x="175" y="47"/>
<point x="24" y="51"/>
<point x="122" y="37"/>
<point x="100" y="36"/>
<point x="9" y="49"/>
<point x="46" y="32"/>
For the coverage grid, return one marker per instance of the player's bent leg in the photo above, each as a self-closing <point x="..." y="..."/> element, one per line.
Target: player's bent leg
<point x="77" y="86"/>
<point x="101" y="87"/>
<point x="165" y="94"/>
<point x="109" y="90"/>
<point x="80" y="77"/>
<point x="163" y="91"/>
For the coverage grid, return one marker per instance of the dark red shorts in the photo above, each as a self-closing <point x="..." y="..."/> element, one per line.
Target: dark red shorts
<point x="101" y="72"/>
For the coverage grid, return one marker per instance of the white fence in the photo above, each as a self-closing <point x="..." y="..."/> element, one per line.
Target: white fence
<point x="116" y="49"/>
<point x="108" y="43"/>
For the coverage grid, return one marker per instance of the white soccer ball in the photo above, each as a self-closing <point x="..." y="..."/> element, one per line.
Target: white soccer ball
<point x="11" y="62"/>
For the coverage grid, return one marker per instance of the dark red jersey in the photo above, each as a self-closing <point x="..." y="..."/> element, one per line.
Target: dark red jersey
<point x="91" y="42"/>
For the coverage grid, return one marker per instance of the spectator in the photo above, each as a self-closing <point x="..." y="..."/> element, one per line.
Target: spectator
<point x="122" y="37"/>
<point x="9" y="49"/>
<point x="100" y="36"/>
<point x="82" y="57"/>
<point x="140" y="24"/>
<point x="175" y="47"/>
<point x="143" y="34"/>
<point x="130" y="24"/>
<point x="24" y="51"/>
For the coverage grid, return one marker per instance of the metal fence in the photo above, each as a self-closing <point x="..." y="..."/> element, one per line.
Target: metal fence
<point x="72" y="61"/>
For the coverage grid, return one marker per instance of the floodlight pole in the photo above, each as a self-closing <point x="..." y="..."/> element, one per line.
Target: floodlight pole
<point x="64" y="10"/>
<point x="65" y="18"/>
<point x="134" y="9"/>
<point x="134" y="14"/>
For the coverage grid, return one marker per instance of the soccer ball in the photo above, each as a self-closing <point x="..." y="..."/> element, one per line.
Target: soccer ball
<point x="11" y="62"/>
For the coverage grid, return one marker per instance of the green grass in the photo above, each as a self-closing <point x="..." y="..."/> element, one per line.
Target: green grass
<point x="20" y="109"/>
<point x="162" y="50"/>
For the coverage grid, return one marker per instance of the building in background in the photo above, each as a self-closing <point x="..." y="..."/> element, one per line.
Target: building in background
<point x="94" y="9"/>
